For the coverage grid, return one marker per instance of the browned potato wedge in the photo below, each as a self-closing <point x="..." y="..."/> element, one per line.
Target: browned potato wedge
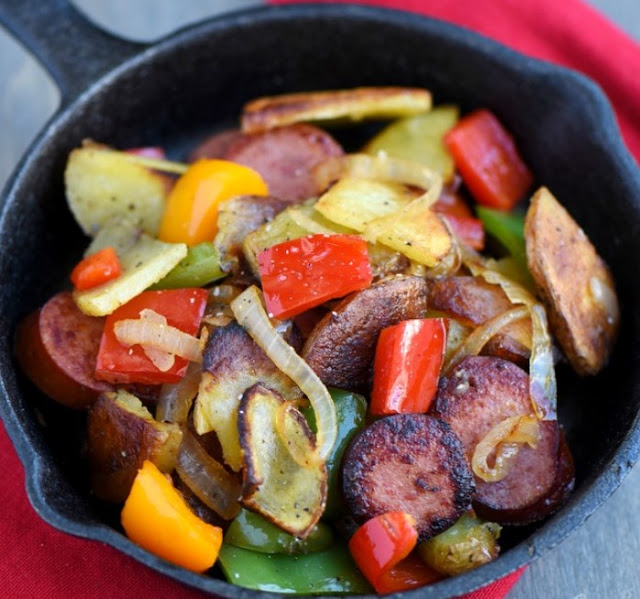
<point x="573" y="281"/>
<point x="341" y="347"/>
<point x="232" y="362"/>
<point x="292" y="494"/>
<point x="101" y="184"/>
<point x="121" y="435"/>
<point x="352" y="104"/>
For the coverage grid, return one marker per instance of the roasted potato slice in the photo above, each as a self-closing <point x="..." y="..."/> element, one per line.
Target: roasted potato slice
<point x="337" y="105"/>
<point x="354" y="203"/>
<point x="278" y="482"/>
<point x="574" y="283"/>
<point x="121" y="435"/>
<point x="143" y="264"/>
<point x="419" y="138"/>
<point x="233" y="362"/>
<point x="101" y="183"/>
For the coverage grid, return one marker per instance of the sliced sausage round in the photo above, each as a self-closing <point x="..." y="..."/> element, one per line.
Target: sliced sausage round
<point x="411" y="463"/>
<point x="477" y="395"/>
<point x="216" y="145"/>
<point x="285" y="158"/>
<point x="341" y="347"/>
<point x="57" y="347"/>
<point x="545" y="506"/>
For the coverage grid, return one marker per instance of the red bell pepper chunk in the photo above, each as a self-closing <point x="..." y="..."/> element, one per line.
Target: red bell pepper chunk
<point x="468" y="229"/>
<point x="183" y="309"/>
<point x="488" y="160"/>
<point x="407" y="366"/>
<point x="381" y="543"/>
<point x="410" y="573"/>
<point x="96" y="269"/>
<point x="303" y="273"/>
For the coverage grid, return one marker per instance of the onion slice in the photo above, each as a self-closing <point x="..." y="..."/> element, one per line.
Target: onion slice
<point x="480" y="336"/>
<point x="542" y="378"/>
<point x="506" y="439"/>
<point x="175" y="399"/>
<point x="207" y="478"/>
<point x="149" y="332"/>
<point x="251" y="315"/>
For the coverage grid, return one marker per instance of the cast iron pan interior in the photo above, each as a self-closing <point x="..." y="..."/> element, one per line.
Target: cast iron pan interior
<point x="175" y="92"/>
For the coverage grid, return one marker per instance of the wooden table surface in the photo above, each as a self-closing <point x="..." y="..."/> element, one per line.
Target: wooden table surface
<point x="600" y="560"/>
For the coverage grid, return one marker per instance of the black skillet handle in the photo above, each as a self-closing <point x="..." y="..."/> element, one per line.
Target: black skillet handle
<point x="73" y="50"/>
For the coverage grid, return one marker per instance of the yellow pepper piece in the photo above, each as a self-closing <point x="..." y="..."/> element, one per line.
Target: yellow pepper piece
<point x="156" y="517"/>
<point x="191" y="212"/>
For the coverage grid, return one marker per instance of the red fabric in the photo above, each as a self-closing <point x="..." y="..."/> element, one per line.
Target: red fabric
<point x="569" y="33"/>
<point x="39" y="561"/>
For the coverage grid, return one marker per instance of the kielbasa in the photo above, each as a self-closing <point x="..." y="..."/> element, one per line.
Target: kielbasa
<point x="477" y="395"/>
<point x="412" y="463"/>
<point x="341" y="348"/>
<point x="285" y="158"/>
<point x="57" y="348"/>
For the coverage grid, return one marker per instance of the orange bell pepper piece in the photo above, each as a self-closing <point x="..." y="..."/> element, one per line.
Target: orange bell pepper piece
<point x="156" y="517"/>
<point x="381" y="543"/>
<point x="191" y="212"/>
<point x="96" y="269"/>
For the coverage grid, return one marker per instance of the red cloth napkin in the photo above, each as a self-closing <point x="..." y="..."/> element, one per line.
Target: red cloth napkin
<point x="39" y="561"/>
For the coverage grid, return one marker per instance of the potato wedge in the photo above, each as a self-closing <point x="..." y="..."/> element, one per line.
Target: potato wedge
<point x="145" y="263"/>
<point x="415" y="231"/>
<point x="329" y="106"/>
<point x="574" y="283"/>
<point x="121" y="435"/>
<point x="419" y="138"/>
<point x="121" y="232"/>
<point x="276" y="484"/>
<point x="232" y="362"/>
<point x="100" y="184"/>
<point x="354" y="203"/>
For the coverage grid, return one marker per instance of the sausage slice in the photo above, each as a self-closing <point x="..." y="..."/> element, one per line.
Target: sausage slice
<point x="480" y="393"/>
<point x="57" y="348"/>
<point x="285" y="157"/>
<point x="412" y="463"/>
<point x="341" y="347"/>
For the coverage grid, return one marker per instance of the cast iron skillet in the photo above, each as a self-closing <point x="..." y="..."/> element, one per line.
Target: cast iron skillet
<point x="174" y="92"/>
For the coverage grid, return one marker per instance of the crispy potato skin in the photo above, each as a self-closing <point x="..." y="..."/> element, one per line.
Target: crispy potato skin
<point x="408" y="462"/>
<point x="57" y="347"/>
<point x="564" y="265"/>
<point x="472" y="301"/>
<point x="120" y="436"/>
<point x="341" y="347"/>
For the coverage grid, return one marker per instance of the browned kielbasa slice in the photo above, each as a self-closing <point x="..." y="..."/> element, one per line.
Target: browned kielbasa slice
<point x="285" y="158"/>
<point x="472" y="301"/>
<point x="411" y="463"/>
<point x="57" y="347"/>
<point x="216" y="145"/>
<point x="341" y="347"/>
<point x="477" y="395"/>
<point x="546" y="505"/>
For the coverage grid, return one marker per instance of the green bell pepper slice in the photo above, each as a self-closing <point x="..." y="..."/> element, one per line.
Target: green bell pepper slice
<point x="508" y="229"/>
<point x="252" y="531"/>
<point x="351" y="410"/>
<point x="198" y="268"/>
<point x="331" y="571"/>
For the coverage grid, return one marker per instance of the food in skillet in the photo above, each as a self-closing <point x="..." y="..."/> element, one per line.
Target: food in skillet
<point x="324" y="372"/>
